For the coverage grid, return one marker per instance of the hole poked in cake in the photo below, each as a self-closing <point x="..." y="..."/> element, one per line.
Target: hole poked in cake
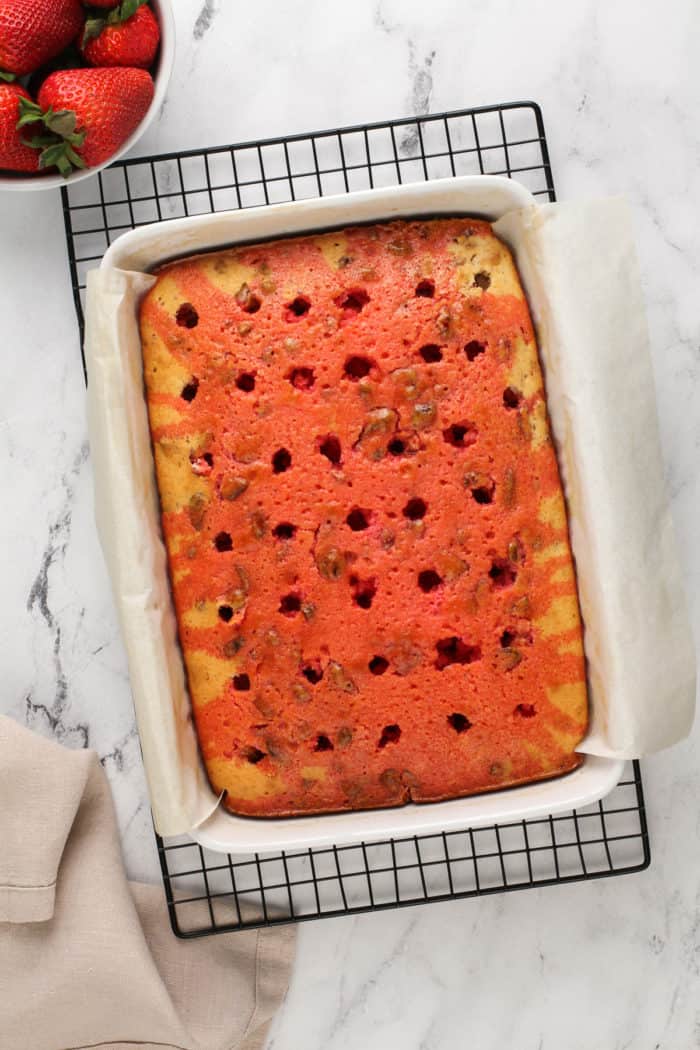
<point x="245" y="381"/>
<point x="425" y="289"/>
<point x="241" y="683"/>
<point x="481" y="486"/>
<point x="189" y="390"/>
<point x="459" y="722"/>
<point x="249" y="302"/>
<point x="391" y="734"/>
<point x="357" y="367"/>
<point x="352" y="302"/>
<point x="223" y="542"/>
<point x="482" y="494"/>
<point x="454" y="650"/>
<point x="330" y="447"/>
<point x="202" y="465"/>
<point x="302" y="378"/>
<point x="186" y="316"/>
<point x="473" y="349"/>
<point x="415" y="509"/>
<point x="378" y="665"/>
<point x="312" y="672"/>
<point x="429" y="580"/>
<point x="482" y="280"/>
<point x="396" y="447"/>
<point x="512" y="397"/>
<point x="297" y="308"/>
<point x="281" y="461"/>
<point x="502" y="573"/>
<point x="461" y="435"/>
<point x="516" y="635"/>
<point x="525" y="711"/>
<point x="363" y="591"/>
<point x="252" y="754"/>
<point x="284" y="531"/>
<point x="323" y="743"/>
<point x="290" y="604"/>
<point x="365" y="596"/>
<point x="358" y="519"/>
<point x="431" y="353"/>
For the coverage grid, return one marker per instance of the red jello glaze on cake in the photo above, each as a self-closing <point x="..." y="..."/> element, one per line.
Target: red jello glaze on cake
<point x="363" y="514"/>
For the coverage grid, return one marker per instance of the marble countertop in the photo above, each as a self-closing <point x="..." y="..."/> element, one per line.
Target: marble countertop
<point x="613" y="964"/>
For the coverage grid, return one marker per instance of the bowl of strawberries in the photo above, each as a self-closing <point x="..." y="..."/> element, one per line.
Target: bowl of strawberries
<point x="79" y="83"/>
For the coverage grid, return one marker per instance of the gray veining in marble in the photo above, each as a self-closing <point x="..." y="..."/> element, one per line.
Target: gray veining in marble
<point x="613" y="965"/>
<point x="205" y="19"/>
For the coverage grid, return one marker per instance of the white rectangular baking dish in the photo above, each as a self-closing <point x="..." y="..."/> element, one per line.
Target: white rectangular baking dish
<point x="489" y="197"/>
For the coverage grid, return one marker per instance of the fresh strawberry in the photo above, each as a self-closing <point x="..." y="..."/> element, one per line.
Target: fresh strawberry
<point x="88" y="114"/>
<point x="33" y="31"/>
<point x="108" y="104"/>
<point x="127" y="36"/>
<point x="14" y="154"/>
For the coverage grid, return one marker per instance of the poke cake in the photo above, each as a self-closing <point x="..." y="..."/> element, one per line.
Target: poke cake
<point x="365" y="526"/>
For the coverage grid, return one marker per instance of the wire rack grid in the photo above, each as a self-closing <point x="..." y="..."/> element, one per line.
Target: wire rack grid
<point x="210" y="892"/>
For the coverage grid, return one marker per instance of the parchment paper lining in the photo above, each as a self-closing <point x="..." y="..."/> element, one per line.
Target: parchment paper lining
<point x="579" y="269"/>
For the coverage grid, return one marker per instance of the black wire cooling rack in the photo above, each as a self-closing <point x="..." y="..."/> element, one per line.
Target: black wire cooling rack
<point x="211" y="892"/>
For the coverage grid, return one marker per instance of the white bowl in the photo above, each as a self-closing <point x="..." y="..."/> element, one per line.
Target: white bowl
<point x="163" y="11"/>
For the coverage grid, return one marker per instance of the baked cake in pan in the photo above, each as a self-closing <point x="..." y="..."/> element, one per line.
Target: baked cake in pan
<point x="364" y="521"/>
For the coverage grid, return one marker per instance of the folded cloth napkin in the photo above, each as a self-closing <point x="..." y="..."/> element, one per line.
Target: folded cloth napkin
<point x="88" y="959"/>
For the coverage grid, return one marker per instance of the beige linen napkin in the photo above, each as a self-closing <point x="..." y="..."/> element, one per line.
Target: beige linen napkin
<point x="87" y="959"/>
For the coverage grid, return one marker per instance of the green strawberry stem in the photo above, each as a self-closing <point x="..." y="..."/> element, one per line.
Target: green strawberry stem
<point x="96" y="23"/>
<point x="28" y="112"/>
<point x="126" y="9"/>
<point x="93" y="28"/>
<point x="57" y="144"/>
<point x="8" y="77"/>
<point x="62" y="156"/>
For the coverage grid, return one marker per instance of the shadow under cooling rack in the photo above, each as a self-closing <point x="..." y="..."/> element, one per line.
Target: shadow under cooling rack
<point x="212" y="892"/>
